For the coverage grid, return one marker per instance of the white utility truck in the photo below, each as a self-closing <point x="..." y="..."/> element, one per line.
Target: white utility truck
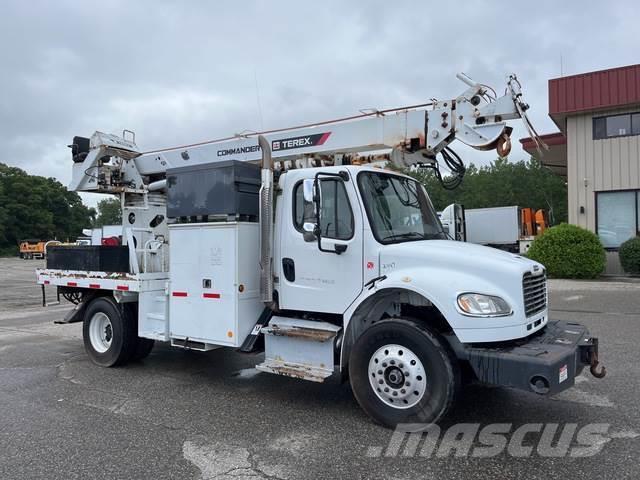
<point x="291" y="242"/>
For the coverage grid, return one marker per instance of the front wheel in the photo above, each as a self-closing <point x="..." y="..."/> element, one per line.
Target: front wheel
<point x="403" y="373"/>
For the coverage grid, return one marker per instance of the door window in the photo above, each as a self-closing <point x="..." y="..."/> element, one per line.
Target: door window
<point x="336" y="217"/>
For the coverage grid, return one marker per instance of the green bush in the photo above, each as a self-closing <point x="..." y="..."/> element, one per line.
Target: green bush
<point x="630" y="255"/>
<point x="569" y="251"/>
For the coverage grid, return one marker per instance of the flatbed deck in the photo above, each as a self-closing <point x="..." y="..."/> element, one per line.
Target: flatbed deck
<point x="116" y="281"/>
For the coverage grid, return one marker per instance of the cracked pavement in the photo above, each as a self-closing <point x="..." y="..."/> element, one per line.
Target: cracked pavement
<point x="211" y="415"/>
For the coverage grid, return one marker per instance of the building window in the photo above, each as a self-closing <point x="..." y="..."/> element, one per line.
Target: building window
<point x="618" y="217"/>
<point x="616" y="126"/>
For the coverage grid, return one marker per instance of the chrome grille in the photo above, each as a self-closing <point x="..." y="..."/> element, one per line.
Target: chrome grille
<point x="534" y="289"/>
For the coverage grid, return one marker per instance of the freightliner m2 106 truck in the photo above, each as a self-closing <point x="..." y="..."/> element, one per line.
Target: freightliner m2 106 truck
<point x="297" y="242"/>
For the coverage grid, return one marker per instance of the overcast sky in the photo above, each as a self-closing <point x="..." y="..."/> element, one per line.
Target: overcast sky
<point x="186" y="71"/>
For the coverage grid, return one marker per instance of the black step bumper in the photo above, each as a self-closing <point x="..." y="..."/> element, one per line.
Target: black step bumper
<point x="546" y="362"/>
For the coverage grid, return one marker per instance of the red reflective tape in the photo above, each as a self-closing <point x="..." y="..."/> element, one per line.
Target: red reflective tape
<point x="72" y="284"/>
<point x="179" y="294"/>
<point x="211" y="295"/>
<point x="47" y="282"/>
<point x="122" y="287"/>
<point x="94" y="285"/>
<point x="323" y="138"/>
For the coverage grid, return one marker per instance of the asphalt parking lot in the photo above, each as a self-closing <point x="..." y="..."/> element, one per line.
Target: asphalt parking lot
<point x="209" y="415"/>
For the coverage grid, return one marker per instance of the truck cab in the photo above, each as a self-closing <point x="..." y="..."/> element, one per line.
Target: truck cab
<point x="378" y="230"/>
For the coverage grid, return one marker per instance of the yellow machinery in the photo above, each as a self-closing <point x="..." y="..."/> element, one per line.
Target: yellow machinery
<point x="32" y="249"/>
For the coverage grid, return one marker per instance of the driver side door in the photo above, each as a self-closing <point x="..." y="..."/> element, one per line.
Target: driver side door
<point x="315" y="280"/>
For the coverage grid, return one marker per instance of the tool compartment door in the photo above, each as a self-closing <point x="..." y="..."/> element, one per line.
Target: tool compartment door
<point x="203" y="275"/>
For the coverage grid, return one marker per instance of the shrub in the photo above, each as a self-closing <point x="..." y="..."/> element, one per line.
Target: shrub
<point x="569" y="251"/>
<point x="630" y="255"/>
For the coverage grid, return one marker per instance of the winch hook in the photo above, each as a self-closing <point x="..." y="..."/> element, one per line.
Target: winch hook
<point x="503" y="147"/>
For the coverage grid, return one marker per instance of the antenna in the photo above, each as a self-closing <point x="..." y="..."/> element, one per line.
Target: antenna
<point x="255" y="76"/>
<point x="561" y="69"/>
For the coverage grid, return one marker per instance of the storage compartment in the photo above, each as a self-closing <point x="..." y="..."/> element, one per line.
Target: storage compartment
<point x="214" y="294"/>
<point x="227" y="188"/>
<point x="96" y="258"/>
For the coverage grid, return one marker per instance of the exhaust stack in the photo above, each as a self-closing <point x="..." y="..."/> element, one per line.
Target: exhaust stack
<point x="266" y="223"/>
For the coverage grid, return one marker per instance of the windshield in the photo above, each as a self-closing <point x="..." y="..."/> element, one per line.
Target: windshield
<point x="398" y="208"/>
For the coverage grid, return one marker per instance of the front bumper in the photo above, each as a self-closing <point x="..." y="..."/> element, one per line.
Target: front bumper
<point x="546" y="362"/>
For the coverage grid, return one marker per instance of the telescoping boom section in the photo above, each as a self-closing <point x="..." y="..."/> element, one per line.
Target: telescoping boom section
<point x="406" y="136"/>
<point x="311" y="247"/>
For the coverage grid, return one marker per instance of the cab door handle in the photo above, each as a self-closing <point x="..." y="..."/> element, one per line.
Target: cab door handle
<point x="289" y="269"/>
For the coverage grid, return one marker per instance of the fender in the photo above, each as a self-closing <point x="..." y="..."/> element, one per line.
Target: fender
<point x="430" y="287"/>
<point x="373" y="302"/>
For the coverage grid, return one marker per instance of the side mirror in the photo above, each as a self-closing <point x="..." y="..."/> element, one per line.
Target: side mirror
<point x="310" y="210"/>
<point x="307" y="190"/>
<point x="309" y="234"/>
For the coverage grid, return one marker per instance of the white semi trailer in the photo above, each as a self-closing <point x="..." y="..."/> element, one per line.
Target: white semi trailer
<point x="333" y="266"/>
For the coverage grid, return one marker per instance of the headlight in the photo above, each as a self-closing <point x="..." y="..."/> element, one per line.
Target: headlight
<point x="481" y="305"/>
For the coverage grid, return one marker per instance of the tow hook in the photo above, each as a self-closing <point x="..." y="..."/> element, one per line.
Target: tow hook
<point x="594" y="366"/>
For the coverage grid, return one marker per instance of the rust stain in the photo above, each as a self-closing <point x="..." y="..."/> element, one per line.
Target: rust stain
<point x="304" y="373"/>
<point x="87" y="275"/>
<point x="305" y="333"/>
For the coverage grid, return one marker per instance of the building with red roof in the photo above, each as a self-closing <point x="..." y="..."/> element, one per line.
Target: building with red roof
<point x="598" y="150"/>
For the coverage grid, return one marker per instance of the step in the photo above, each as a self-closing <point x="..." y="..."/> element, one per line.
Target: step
<point x="304" y="372"/>
<point x="299" y="348"/>
<point x="300" y="328"/>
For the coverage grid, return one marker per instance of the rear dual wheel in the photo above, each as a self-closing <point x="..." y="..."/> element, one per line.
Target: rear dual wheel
<point x="401" y="372"/>
<point x="110" y="333"/>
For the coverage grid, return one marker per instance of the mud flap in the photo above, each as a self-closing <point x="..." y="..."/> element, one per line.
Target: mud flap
<point x="255" y="341"/>
<point x="76" y="314"/>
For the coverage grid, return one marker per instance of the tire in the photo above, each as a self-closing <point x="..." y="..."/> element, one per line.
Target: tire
<point x="109" y="333"/>
<point x="394" y="353"/>
<point x="143" y="345"/>
<point x="143" y="349"/>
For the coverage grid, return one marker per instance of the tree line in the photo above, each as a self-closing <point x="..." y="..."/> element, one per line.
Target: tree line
<point x="34" y="207"/>
<point x="40" y="208"/>
<point x="503" y="183"/>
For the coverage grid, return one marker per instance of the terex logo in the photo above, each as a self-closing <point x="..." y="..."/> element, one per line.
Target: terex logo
<point x="300" y="142"/>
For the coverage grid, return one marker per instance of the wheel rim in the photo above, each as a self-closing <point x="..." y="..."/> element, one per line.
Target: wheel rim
<point x="397" y="376"/>
<point x="100" y="332"/>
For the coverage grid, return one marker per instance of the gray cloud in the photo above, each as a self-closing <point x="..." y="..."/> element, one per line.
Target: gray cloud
<point x="179" y="72"/>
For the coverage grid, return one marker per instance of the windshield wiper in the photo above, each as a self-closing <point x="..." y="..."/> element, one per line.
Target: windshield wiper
<point x="407" y="235"/>
<point x="438" y="236"/>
